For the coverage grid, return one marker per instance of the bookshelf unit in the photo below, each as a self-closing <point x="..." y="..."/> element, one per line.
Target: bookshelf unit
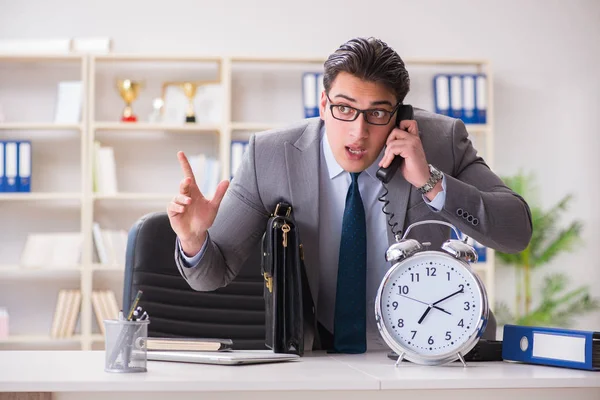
<point x="147" y="169"/>
<point x="28" y="86"/>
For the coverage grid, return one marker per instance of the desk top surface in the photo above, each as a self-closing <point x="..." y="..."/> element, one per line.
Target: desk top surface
<point x="78" y="371"/>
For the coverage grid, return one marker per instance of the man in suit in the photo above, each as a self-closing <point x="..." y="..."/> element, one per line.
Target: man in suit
<point x="326" y="169"/>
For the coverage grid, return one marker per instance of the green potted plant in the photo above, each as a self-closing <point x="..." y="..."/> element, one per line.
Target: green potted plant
<point x="556" y="305"/>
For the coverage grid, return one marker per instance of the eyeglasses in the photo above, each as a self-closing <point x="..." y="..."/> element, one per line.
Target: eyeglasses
<point x="375" y="116"/>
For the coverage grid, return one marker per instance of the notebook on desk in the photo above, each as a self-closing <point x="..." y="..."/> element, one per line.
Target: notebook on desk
<point x="187" y="344"/>
<point x="234" y="357"/>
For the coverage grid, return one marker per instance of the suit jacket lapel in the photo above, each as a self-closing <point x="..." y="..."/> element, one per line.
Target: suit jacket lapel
<point x="302" y="163"/>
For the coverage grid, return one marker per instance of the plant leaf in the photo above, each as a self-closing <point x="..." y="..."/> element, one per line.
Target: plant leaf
<point x="563" y="242"/>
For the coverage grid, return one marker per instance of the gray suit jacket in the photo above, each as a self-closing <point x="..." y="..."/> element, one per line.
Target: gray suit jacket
<point x="284" y="165"/>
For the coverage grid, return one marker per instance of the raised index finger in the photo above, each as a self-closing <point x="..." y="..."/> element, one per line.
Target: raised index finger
<point x="185" y="166"/>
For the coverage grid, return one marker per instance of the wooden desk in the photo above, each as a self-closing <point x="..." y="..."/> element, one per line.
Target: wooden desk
<point x="73" y="375"/>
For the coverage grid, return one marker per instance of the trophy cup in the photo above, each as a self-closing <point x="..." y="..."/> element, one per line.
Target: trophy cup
<point x="157" y="108"/>
<point x="129" y="91"/>
<point x="189" y="89"/>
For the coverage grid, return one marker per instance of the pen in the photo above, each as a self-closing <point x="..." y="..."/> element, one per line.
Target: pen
<point x="134" y="304"/>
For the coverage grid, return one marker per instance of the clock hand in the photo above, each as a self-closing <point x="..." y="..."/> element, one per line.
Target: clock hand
<point x="418" y="301"/>
<point x="447" y="297"/>
<point x="441" y="309"/>
<point x="427" y="304"/>
<point x="424" y="315"/>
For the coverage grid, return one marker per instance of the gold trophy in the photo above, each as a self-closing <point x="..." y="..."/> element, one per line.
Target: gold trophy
<point x="189" y="89"/>
<point x="129" y="91"/>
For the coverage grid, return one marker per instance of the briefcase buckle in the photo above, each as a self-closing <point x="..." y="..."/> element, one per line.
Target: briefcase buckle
<point x="268" y="281"/>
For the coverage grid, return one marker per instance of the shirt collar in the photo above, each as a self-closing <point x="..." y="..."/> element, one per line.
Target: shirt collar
<point x="334" y="168"/>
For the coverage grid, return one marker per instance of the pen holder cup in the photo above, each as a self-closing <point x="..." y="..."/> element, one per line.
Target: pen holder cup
<point x="125" y="344"/>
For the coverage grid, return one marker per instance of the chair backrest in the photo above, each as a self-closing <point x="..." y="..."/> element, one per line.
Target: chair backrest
<point x="235" y="312"/>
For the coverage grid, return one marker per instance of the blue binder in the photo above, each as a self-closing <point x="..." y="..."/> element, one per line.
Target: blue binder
<point x="441" y="94"/>
<point x="24" y="170"/>
<point x="11" y="166"/>
<point x="456" y="97"/>
<point x="310" y="94"/>
<point x="468" y="92"/>
<point x="552" y="346"/>
<point x="480" y="99"/>
<point x="2" y="179"/>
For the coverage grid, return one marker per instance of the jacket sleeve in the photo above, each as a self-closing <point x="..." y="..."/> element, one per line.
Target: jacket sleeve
<point x="236" y="231"/>
<point x="479" y="204"/>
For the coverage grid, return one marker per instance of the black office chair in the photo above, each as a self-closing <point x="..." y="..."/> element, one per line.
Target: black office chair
<point x="235" y="311"/>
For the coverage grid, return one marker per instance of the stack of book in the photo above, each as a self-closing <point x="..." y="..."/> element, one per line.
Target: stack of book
<point x="66" y="313"/>
<point x="111" y="245"/>
<point x="104" y="303"/>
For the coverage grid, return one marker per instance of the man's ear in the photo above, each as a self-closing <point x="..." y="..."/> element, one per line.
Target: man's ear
<point x="322" y="105"/>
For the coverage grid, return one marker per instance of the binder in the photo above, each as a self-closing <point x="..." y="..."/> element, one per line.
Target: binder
<point x="441" y="94"/>
<point x="238" y="148"/>
<point x="557" y="347"/>
<point x="481" y="99"/>
<point x="456" y="99"/>
<point x="11" y="164"/>
<point x="310" y="97"/>
<point x="468" y="91"/>
<point x="24" y="172"/>
<point x="2" y="178"/>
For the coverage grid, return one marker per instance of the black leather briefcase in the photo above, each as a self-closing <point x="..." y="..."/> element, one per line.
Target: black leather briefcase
<point x="289" y="305"/>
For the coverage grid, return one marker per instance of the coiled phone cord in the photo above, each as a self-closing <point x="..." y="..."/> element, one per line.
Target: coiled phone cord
<point x="390" y="215"/>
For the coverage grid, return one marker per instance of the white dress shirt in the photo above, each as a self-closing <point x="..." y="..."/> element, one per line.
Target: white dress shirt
<point x="333" y="185"/>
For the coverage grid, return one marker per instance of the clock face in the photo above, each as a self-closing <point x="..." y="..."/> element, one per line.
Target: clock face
<point x="430" y="304"/>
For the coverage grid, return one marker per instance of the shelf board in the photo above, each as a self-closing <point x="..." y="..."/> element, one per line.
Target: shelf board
<point x="263" y="60"/>
<point x="444" y="61"/>
<point x="256" y="126"/>
<point x="18" y="272"/>
<point x="478" y="128"/>
<point x="318" y="60"/>
<point x="282" y="60"/>
<point x="134" y="196"/>
<point x="40" y="126"/>
<point x="97" y="337"/>
<point x="35" y="196"/>
<point x="39" y="339"/>
<point x="124" y="57"/>
<point x="40" y="57"/>
<point x="143" y="126"/>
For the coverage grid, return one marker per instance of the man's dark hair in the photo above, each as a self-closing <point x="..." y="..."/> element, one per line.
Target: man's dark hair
<point x="369" y="59"/>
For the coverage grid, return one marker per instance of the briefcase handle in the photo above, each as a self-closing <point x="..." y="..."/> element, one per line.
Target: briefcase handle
<point x="283" y="209"/>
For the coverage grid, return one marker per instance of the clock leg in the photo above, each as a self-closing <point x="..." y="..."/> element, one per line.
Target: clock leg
<point x="462" y="360"/>
<point x="399" y="360"/>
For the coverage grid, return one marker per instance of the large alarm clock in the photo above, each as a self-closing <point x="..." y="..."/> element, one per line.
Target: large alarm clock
<point x="431" y="307"/>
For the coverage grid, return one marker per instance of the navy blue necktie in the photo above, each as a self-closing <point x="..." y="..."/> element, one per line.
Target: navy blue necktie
<point x="350" y="321"/>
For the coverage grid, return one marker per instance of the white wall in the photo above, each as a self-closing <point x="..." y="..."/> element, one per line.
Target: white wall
<point x="545" y="56"/>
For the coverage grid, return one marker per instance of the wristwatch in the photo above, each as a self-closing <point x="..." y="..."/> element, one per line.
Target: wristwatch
<point x="435" y="177"/>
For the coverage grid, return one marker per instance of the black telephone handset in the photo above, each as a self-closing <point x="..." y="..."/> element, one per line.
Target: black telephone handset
<point x="405" y="111"/>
